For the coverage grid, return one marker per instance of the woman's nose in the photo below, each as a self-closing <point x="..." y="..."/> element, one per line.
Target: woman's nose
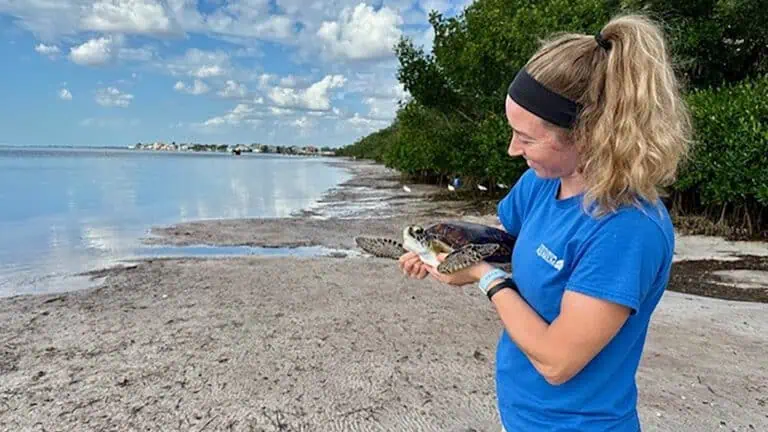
<point x="513" y="149"/>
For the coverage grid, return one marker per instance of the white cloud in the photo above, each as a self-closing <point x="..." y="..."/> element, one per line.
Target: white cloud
<point x="315" y="97"/>
<point x="331" y="60"/>
<point x="361" y="33"/>
<point x="237" y="115"/>
<point x="250" y="18"/>
<point x="365" y="123"/>
<point x="65" y="94"/>
<point x="289" y="81"/>
<point x="208" y="71"/>
<point x="198" y="63"/>
<point x="127" y="16"/>
<point x="343" y="29"/>
<point x="233" y="89"/>
<point x="102" y="50"/>
<point x="280" y="112"/>
<point x="47" y="50"/>
<point x="382" y="109"/>
<point x="136" y="54"/>
<point x="185" y="14"/>
<point x="197" y="88"/>
<point x="46" y="19"/>
<point x="380" y="91"/>
<point x="92" y="53"/>
<point x="303" y="123"/>
<point x="112" y="97"/>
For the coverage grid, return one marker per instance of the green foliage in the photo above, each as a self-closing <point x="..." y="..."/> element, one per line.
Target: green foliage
<point x="481" y="50"/>
<point x="713" y="41"/>
<point x="372" y="146"/>
<point x="454" y="124"/>
<point x="420" y="150"/>
<point x="730" y="162"/>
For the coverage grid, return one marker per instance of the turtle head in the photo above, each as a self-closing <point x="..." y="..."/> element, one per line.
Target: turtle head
<point x="415" y="239"/>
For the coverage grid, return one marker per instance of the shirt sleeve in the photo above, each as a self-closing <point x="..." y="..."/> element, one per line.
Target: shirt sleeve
<point x="622" y="260"/>
<point x="512" y="208"/>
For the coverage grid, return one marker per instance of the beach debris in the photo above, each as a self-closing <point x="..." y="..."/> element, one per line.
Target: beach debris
<point x="501" y="185"/>
<point x="406" y="188"/>
<point x="54" y="299"/>
<point x="477" y="355"/>
<point x="451" y="188"/>
<point x="466" y="243"/>
<point x="482" y="188"/>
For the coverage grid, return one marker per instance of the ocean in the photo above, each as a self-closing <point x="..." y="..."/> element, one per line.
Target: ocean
<point x="66" y="211"/>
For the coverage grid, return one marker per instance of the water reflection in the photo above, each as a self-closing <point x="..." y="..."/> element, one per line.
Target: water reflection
<point x="69" y="211"/>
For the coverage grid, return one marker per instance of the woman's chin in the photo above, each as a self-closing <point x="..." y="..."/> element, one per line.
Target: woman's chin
<point x="542" y="174"/>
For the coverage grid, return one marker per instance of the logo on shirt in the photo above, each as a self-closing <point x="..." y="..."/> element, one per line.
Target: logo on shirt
<point x="549" y="257"/>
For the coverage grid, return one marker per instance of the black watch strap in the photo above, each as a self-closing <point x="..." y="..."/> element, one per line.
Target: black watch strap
<point x="506" y="283"/>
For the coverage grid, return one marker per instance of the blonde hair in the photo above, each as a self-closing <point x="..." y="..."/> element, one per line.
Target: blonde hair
<point x="634" y="128"/>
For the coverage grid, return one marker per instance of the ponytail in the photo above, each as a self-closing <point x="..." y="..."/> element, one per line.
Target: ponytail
<point x="634" y="127"/>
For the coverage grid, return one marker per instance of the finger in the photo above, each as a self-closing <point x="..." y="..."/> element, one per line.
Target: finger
<point x="435" y="274"/>
<point x="406" y="266"/>
<point x="435" y="271"/>
<point x="414" y="264"/>
<point x="410" y="266"/>
<point x="423" y="272"/>
<point x="402" y="266"/>
<point x="417" y="268"/>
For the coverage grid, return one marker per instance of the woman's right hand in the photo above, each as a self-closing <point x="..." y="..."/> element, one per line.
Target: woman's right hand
<point x="412" y="266"/>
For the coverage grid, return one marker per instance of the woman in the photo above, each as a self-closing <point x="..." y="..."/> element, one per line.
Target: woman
<point x="600" y="121"/>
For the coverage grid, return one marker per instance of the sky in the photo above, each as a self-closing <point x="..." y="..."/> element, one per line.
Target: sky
<point x="278" y="72"/>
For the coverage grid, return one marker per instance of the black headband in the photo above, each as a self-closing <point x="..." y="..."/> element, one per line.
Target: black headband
<point x="543" y="102"/>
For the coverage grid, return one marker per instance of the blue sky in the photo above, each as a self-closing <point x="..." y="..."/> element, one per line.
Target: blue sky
<point x="283" y="72"/>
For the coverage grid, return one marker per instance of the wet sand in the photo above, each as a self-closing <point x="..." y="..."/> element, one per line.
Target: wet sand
<point x="331" y="343"/>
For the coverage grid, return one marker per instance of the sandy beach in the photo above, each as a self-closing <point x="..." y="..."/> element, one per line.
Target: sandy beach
<point x="341" y="342"/>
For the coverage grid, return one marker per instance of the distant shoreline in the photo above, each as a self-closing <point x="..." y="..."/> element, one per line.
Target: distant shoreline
<point x="161" y="152"/>
<point x="126" y="147"/>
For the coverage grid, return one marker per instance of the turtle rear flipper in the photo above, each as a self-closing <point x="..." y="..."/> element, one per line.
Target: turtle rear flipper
<point x="381" y="247"/>
<point x="466" y="256"/>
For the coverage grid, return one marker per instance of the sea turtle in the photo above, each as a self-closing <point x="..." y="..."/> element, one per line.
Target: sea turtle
<point x="465" y="243"/>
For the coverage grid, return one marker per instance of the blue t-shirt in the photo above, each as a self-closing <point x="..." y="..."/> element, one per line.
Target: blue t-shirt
<point x="624" y="257"/>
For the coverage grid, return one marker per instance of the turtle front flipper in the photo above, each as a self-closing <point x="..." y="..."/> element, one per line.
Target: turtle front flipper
<point x="466" y="256"/>
<point x="381" y="247"/>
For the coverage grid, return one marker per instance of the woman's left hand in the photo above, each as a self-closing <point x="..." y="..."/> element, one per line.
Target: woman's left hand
<point x="466" y="276"/>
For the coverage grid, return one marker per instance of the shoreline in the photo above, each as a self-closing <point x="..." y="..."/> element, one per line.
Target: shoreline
<point x="332" y="343"/>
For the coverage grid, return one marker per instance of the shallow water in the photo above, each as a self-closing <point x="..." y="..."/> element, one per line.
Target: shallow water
<point x="72" y="210"/>
<point x="162" y="251"/>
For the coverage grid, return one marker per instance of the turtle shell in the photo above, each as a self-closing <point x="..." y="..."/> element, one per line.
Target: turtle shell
<point x="459" y="233"/>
